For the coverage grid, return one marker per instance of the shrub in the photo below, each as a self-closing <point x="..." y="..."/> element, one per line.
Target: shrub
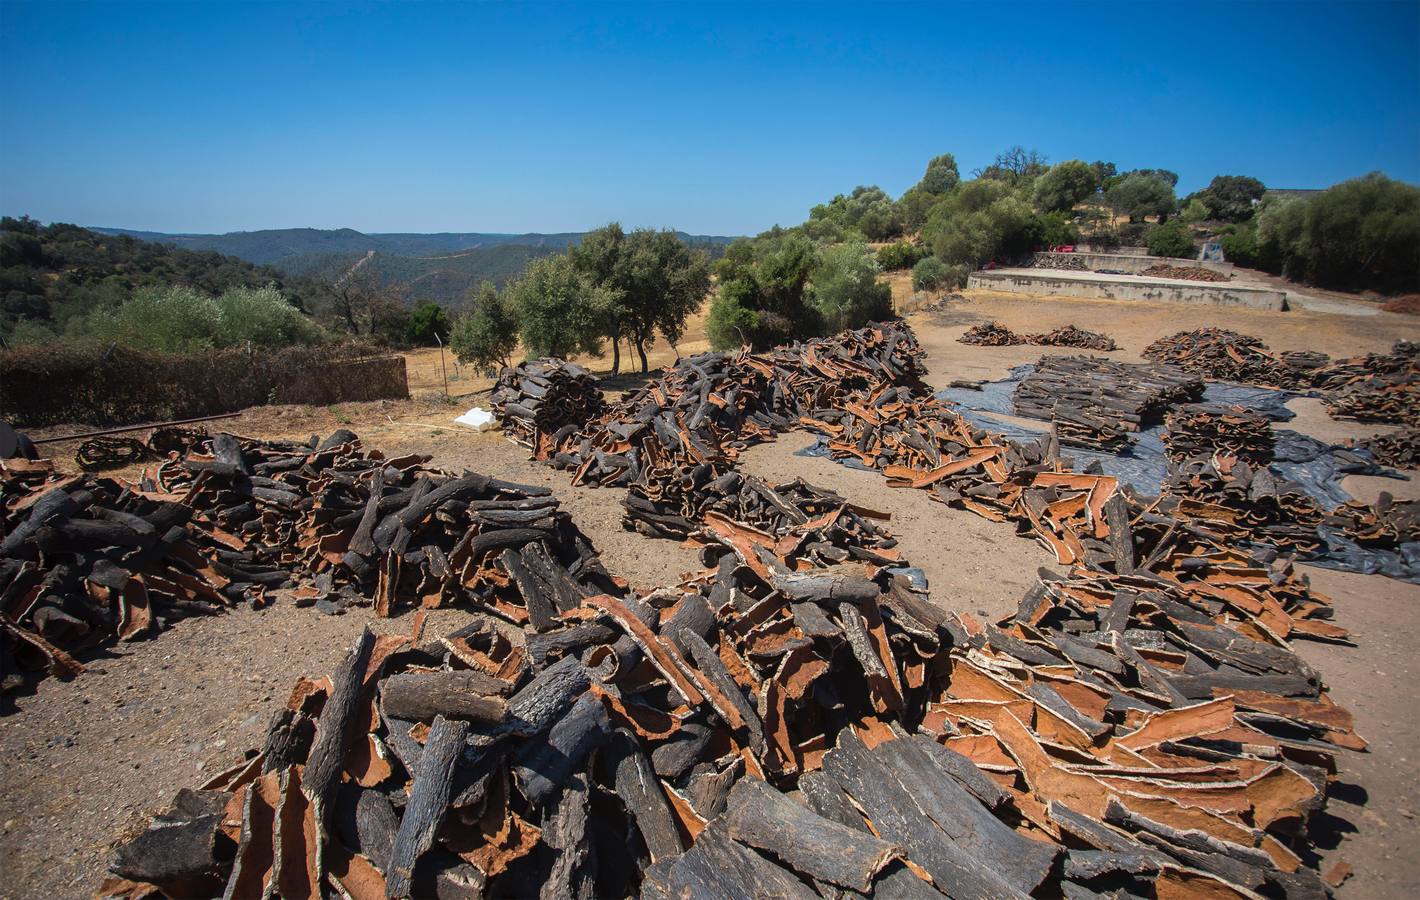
<point x="1239" y="243"/>
<point x="1057" y="228"/>
<point x="1132" y="234"/>
<point x="1171" y="239"/>
<point x="1195" y="211"/>
<point x="765" y="291"/>
<point x="900" y="255"/>
<point x="929" y="274"/>
<point x="264" y="317"/>
<point x="164" y="320"/>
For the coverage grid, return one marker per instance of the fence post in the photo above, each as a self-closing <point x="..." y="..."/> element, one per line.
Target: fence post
<point x="442" y="365"/>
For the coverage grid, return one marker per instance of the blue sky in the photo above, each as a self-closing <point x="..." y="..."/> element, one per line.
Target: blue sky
<point x="711" y="118"/>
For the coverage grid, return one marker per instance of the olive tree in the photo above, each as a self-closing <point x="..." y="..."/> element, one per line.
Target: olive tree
<point x="487" y="335"/>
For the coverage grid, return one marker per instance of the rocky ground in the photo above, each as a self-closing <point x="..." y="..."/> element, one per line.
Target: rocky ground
<point x="88" y="760"/>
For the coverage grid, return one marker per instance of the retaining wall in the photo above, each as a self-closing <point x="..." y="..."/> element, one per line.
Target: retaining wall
<point x="1126" y="287"/>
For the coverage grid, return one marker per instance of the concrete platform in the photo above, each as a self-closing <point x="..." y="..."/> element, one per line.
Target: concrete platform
<point x="1134" y="263"/>
<point x="1127" y="287"/>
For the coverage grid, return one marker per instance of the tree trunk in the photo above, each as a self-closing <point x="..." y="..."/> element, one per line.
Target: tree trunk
<point x="641" y="350"/>
<point x="615" y="354"/>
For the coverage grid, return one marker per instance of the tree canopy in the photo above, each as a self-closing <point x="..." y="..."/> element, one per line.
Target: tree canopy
<point x="656" y="281"/>
<point x="487" y="335"/>
<point x="1064" y="185"/>
<point x="1231" y="198"/>
<point x="560" y="310"/>
<point x="1140" y="194"/>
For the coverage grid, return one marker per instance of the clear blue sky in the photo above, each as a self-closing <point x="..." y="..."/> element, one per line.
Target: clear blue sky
<point x="710" y="118"/>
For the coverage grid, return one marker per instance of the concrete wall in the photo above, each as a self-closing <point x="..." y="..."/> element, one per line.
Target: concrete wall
<point x="1134" y="264"/>
<point x="1124" y="287"/>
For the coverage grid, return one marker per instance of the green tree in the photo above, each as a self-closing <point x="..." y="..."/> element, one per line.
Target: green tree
<point x="1140" y="194"/>
<point x="929" y="274"/>
<point x="657" y="280"/>
<point x="1194" y="211"/>
<point x="846" y="291"/>
<point x="764" y="291"/>
<point x="1231" y="198"/>
<point x="560" y="310"/>
<point x="940" y="179"/>
<point x="868" y="212"/>
<point x="428" y="324"/>
<point x="1065" y="185"/>
<point x="1172" y="239"/>
<point x="1363" y="233"/>
<point x="486" y="336"/>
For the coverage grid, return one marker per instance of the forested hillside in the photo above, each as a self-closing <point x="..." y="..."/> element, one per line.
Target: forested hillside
<point x="440" y="267"/>
<point x="443" y="279"/>
<point x="273" y="245"/>
<point x="51" y="275"/>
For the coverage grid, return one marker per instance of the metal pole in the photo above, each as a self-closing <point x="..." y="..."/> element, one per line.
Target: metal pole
<point x="442" y="365"/>
<point x="89" y="434"/>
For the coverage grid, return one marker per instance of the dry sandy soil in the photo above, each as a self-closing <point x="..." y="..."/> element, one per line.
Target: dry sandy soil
<point x="89" y="760"/>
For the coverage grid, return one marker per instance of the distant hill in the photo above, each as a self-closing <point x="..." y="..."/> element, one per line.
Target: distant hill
<point x="439" y="267"/>
<point x="270" y="246"/>
<point x="444" y="279"/>
<point x="50" y="274"/>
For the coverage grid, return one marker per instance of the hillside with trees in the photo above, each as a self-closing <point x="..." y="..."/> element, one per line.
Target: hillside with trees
<point x="806" y="280"/>
<point x="441" y="267"/>
<point x="52" y="277"/>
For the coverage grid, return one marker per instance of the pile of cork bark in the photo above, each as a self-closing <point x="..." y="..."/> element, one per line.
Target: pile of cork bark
<point x="798" y="719"/>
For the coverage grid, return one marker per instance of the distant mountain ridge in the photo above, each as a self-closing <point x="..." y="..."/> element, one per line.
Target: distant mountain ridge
<point x="270" y="246"/>
<point x="441" y="267"/>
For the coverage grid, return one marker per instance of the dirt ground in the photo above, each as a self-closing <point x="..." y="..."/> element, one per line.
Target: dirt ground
<point x="90" y="759"/>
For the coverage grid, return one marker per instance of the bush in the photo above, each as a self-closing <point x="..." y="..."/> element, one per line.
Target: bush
<point x="929" y="275"/>
<point x="1171" y="239"/>
<point x="162" y="320"/>
<point x="900" y="255"/>
<point x="1239" y="243"/>
<point x="765" y="291"/>
<point x="264" y="317"/>
<point x="1132" y="234"/>
<point x="1057" y="229"/>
